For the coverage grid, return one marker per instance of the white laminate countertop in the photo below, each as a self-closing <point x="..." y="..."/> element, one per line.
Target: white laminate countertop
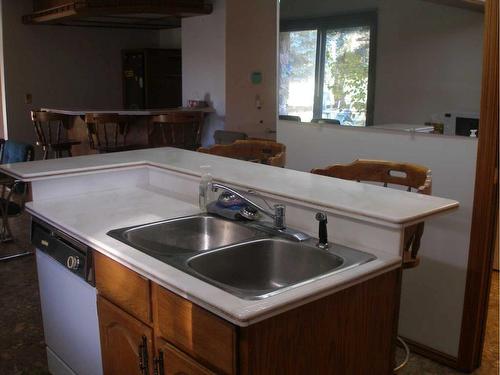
<point x="126" y="112"/>
<point x="88" y="217"/>
<point x="357" y="200"/>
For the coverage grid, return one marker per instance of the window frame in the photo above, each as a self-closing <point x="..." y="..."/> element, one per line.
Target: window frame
<point x="322" y="25"/>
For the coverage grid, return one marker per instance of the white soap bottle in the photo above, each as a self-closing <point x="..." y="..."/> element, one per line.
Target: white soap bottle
<point x="205" y="187"/>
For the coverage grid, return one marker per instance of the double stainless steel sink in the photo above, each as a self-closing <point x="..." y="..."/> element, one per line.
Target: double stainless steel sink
<point x="238" y="257"/>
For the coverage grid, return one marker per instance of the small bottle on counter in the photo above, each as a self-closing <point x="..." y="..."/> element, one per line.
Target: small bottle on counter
<point x="204" y="197"/>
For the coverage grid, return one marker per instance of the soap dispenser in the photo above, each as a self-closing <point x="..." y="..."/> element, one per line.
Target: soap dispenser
<point x="204" y="196"/>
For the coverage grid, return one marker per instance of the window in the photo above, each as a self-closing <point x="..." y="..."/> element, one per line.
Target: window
<point x="327" y="68"/>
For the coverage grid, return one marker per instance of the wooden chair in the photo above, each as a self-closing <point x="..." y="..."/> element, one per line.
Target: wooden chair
<point x="13" y="192"/>
<point x="226" y="137"/>
<point x="177" y="129"/>
<point x="265" y="152"/>
<point x="52" y="134"/>
<point x="107" y="132"/>
<point x="412" y="176"/>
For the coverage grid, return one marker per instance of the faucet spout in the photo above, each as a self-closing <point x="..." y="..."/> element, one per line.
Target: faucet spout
<point x="215" y="186"/>
<point x="278" y="225"/>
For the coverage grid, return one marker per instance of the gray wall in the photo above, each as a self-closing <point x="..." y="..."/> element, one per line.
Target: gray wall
<point x="66" y="67"/>
<point x="251" y="46"/>
<point x="204" y="64"/>
<point x="429" y="56"/>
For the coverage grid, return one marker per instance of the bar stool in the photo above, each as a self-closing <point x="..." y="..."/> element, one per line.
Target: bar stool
<point x="52" y="133"/>
<point x="413" y="177"/>
<point x="258" y="151"/>
<point x="178" y="129"/>
<point x="107" y="132"/>
<point x="226" y="137"/>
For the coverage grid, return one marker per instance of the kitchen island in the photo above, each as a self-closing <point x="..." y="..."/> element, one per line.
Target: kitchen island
<point x="326" y="324"/>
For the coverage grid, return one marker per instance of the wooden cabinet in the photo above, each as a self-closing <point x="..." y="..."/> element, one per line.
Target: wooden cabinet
<point x="152" y="78"/>
<point x="204" y="336"/>
<point x="352" y="331"/>
<point x="126" y="343"/>
<point x="171" y="361"/>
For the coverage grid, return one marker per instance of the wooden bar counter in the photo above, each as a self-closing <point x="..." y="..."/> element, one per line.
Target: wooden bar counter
<point x="138" y="124"/>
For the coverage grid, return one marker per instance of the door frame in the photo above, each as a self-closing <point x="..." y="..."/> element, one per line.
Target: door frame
<point x="485" y="207"/>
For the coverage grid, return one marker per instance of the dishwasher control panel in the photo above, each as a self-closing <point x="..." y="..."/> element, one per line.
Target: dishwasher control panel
<point x="67" y="251"/>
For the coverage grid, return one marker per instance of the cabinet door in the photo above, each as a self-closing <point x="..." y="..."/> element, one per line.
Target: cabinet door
<point x="126" y="343"/>
<point x="171" y="361"/>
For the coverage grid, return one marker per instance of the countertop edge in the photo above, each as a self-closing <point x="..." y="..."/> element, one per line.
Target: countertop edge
<point x="341" y="210"/>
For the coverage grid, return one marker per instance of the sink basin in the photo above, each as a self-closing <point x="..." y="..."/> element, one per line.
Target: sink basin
<point x="238" y="258"/>
<point x="184" y="235"/>
<point x="260" y="268"/>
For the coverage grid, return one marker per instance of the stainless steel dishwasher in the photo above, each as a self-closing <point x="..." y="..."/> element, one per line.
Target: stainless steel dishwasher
<point x="68" y="299"/>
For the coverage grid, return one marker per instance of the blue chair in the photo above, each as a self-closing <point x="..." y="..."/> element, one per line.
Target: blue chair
<point x="13" y="192"/>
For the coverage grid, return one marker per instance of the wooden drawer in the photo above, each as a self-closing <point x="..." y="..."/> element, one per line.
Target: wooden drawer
<point x="176" y="362"/>
<point x="204" y="336"/>
<point x="124" y="287"/>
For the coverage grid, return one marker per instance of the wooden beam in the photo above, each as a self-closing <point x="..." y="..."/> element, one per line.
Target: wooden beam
<point x="485" y="209"/>
<point x="79" y="11"/>
<point x="475" y="5"/>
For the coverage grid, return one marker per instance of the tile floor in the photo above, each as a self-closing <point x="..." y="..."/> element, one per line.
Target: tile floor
<point x="21" y="334"/>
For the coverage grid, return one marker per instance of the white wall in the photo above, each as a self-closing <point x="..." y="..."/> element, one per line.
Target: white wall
<point x="251" y="46"/>
<point x="63" y="67"/>
<point x="204" y="64"/>
<point x="429" y="56"/>
<point x="432" y="294"/>
<point x="219" y="53"/>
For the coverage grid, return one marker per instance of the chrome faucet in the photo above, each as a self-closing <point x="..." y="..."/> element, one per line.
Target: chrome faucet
<point x="279" y="209"/>
<point x="250" y="211"/>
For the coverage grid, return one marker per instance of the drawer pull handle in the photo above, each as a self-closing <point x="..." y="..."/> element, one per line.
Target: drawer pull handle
<point x="159" y="369"/>
<point x="143" y="356"/>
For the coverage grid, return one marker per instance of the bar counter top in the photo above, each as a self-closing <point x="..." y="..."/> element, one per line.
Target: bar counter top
<point x="125" y="112"/>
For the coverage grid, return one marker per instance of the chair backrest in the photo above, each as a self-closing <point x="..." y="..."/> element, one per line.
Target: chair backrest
<point x="267" y="152"/>
<point x="106" y="130"/>
<point x="15" y="152"/>
<point x="226" y="137"/>
<point x="50" y="128"/>
<point x="290" y="118"/>
<point x="181" y="129"/>
<point x="411" y="176"/>
<point x="331" y="121"/>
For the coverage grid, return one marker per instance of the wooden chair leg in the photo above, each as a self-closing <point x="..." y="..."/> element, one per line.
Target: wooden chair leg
<point x="5" y="232"/>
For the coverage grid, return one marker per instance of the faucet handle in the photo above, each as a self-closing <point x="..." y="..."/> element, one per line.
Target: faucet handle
<point x="279" y="216"/>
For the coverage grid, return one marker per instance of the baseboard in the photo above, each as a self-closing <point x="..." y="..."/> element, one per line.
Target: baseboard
<point x="435" y="355"/>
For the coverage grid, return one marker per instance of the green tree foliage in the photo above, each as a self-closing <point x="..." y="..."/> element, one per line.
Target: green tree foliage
<point x="347" y="64"/>
<point x="297" y="60"/>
